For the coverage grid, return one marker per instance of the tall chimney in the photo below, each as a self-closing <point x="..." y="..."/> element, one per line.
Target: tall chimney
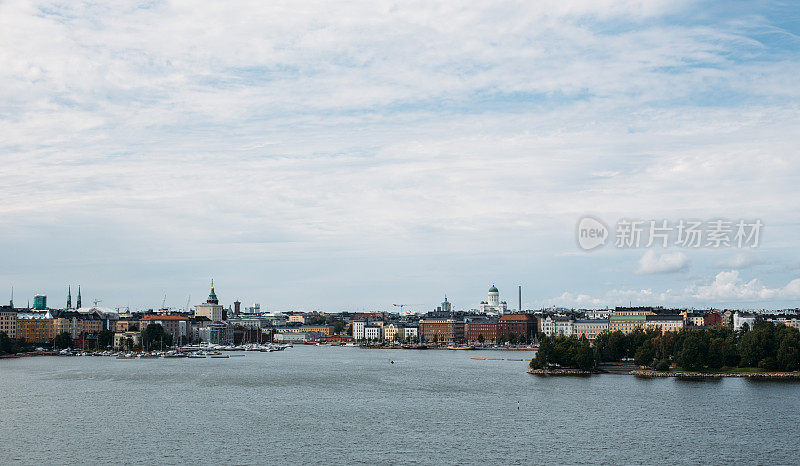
<point x="520" y="298"/>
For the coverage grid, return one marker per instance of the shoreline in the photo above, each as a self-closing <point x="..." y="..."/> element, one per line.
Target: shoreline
<point x="563" y="372"/>
<point x="714" y="375"/>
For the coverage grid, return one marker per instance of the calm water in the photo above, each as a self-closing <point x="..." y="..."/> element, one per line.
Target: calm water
<point x="347" y="405"/>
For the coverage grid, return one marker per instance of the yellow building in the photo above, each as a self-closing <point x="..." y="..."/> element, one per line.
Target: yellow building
<point x="35" y="327"/>
<point x="321" y="329"/>
<point x="628" y="323"/>
<point x="391" y="331"/>
<point x="127" y="340"/>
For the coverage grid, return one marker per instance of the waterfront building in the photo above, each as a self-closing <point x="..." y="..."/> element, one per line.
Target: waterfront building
<point x="358" y="329"/>
<point x="127" y="340"/>
<point x="175" y="325"/>
<point x="373" y="332"/>
<point x="218" y="333"/>
<point x="519" y="325"/>
<point x="410" y="331"/>
<point x="126" y="324"/>
<point x="557" y="325"/>
<point x="256" y="321"/>
<point x="590" y="328"/>
<point x="211" y="309"/>
<point x="198" y="323"/>
<point x="320" y="329"/>
<point x="77" y="324"/>
<point x="35" y="327"/>
<point x="493" y="305"/>
<point x="391" y="332"/>
<point x="8" y="321"/>
<point x="40" y="302"/>
<point x="441" y="330"/>
<point x="480" y="329"/>
<point x="292" y="337"/>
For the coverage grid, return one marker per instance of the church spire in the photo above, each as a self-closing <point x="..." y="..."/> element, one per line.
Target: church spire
<point x="69" y="297"/>
<point x="212" y="297"/>
<point x="78" y="304"/>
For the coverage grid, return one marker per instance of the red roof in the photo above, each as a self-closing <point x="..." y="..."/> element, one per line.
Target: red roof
<point x="165" y="317"/>
<point x="516" y="318"/>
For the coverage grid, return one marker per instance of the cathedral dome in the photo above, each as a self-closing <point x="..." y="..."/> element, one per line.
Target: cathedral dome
<point x="493" y="289"/>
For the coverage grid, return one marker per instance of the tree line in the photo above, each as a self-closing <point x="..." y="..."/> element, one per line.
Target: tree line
<point x="766" y="346"/>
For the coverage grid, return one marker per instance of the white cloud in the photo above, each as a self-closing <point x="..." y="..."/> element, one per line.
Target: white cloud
<point x="726" y="288"/>
<point x="727" y="285"/>
<point x="650" y="262"/>
<point x="378" y="128"/>
<point x="738" y="261"/>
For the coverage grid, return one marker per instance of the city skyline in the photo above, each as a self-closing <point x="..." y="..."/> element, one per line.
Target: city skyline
<point x="359" y="155"/>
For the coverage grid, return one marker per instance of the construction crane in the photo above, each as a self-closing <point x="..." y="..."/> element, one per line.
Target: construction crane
<point x="401" y="306"/>
<point x="164" y="302"/>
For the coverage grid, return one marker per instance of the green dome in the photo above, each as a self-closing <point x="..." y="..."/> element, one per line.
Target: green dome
<point x="493" y="289"/>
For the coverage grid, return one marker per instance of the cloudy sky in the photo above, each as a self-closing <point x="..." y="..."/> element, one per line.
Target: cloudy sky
<point x="350" y="155"/>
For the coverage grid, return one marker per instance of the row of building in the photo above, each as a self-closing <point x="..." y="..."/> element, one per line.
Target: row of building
<point x="493" y="324"/>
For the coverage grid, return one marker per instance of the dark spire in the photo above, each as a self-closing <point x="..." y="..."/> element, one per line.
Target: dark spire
<point x="69" y="297"/>
<point x="78" y="304"/>
<point x="212" y="297"/>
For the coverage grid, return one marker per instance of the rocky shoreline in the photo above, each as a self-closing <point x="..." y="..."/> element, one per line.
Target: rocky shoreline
<point x="562" y="372"/>
<point x="694" y="375"/>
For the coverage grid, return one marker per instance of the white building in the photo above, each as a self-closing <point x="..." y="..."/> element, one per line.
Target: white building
<point x="493" y="305"/>
<point x="358" y="330"/>
<point x="740" y="318"/>
<point x="373" y="332"/>
<point x="410" y="332"/>
<point x="558" y="325"/>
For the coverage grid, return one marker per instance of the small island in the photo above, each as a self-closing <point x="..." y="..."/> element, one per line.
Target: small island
<point x="767" y="351"/>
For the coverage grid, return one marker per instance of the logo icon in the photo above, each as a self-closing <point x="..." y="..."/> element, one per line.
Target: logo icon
<point x="591" y="233"/>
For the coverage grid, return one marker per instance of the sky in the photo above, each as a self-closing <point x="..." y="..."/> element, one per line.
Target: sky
<point x="311" y="155"/>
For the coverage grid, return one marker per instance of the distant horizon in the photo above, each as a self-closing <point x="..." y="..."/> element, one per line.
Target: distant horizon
<point x="413" y="310"/>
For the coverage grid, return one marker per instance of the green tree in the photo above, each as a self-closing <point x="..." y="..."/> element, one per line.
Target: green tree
<point x="645" y="355"/>
<point x="480" y="338"/>
<point x="105" y="339"/>
<point x="155" y="337"/>
<point x="561" y="351"/>
<point x="6" y="344"/>
<point x="63" y="340"/>
<point x="693" y="353"/>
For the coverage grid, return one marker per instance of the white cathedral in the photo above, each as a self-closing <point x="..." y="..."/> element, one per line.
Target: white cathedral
<point x="493" y="305"/>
